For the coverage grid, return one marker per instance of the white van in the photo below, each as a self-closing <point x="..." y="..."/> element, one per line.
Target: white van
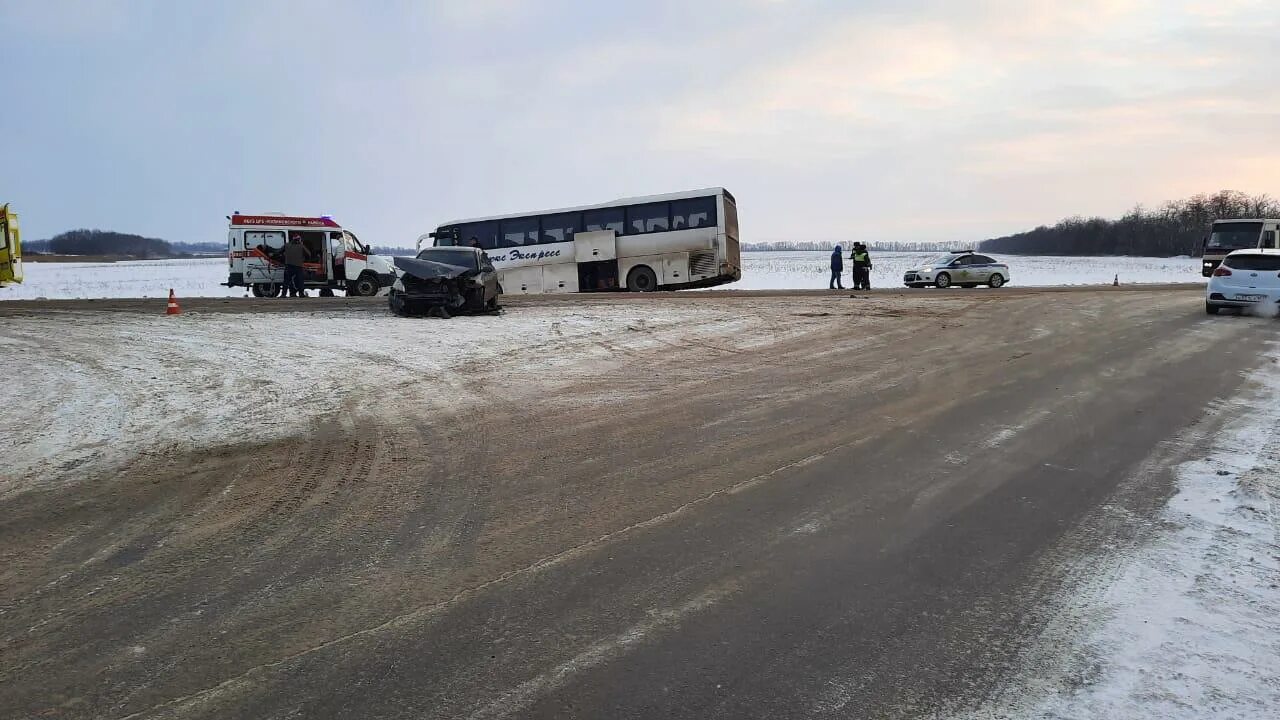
<point x="337" y="259"/>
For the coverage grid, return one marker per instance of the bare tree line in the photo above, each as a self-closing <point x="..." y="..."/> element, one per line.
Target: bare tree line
<point x="1177" y="227"/>
<point x="791" y="245"/>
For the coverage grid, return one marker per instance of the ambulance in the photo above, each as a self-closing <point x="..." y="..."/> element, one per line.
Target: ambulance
<point x="10" y="247"/>
<point x="337" y="260"/>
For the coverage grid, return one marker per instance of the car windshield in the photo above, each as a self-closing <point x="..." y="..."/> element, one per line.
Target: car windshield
<point x="1266" y="263"/>
<point x="941" y="260"/>
<point x="1234" y="236"/>
<point x="461" y="257"/>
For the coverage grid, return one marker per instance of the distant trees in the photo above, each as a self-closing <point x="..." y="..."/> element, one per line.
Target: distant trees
<point x="784" y="245"/>
<point x="1176" y="228"/>
<point x="102" y="242"/>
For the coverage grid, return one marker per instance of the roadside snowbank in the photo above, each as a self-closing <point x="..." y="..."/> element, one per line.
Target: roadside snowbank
<point x="761" y="271"/>
<point x="1188" y="626"/>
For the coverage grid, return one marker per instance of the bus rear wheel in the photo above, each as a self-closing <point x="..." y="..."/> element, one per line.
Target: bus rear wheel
<point x="642" y="278"/>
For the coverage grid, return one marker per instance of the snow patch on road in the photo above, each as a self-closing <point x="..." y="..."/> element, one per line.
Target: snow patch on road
<point x="1188" y="626"/>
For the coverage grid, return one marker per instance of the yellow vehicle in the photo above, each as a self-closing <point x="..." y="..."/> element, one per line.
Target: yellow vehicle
<point x="10" y="248"/>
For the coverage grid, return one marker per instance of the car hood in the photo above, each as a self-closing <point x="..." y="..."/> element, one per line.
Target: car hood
<point x="430" y="269"/>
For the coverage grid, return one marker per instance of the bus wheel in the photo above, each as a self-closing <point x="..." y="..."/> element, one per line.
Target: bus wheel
<point x="365" y="286"/>
<point x="642" y="278"/>
<point x="266" y="290"/>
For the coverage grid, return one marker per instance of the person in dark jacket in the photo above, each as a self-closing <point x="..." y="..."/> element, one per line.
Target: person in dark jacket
<point x="861" y="267"/>
<point x="837" y="267"/>
<point x="295" y="254"/>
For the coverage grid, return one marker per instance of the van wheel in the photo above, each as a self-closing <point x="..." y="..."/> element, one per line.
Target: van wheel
<point x="642" y="278"/>
<point x="997" y="280"/>
<point x="943" y="281"/>
<point x="326" y="292"/>
<point x="365" y="286"/>
<point x="266" y="290"/>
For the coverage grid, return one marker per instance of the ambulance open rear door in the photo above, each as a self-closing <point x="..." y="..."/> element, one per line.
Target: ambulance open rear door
<point x="10" y="247"/>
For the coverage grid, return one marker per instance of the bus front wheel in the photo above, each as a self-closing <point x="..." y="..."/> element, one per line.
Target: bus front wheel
<point x="642" y="278"/>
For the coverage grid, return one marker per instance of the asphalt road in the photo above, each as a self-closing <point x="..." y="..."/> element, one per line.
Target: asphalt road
<point x="841" y="523"/>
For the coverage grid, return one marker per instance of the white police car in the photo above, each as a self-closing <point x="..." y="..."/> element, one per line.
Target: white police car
<point x="964" y="268"/>
<point x="1248" y="280"/>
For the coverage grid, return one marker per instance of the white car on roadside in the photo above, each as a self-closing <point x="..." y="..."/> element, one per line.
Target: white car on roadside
<point x="964" y="268"/>
<point x="1246" y="280"/>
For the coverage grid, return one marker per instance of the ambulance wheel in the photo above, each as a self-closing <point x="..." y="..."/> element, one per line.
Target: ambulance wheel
<point x="266" y="290"/>
<point x="365" y="286"/>
<point x="642" y="278"/>
<point x="326" y="292"/>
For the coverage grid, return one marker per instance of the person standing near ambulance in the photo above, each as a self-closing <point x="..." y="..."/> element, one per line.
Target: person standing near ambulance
<point x="295" y="255"/>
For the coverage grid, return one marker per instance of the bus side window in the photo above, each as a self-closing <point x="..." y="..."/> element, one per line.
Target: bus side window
<point x="561" y="227"/>
<point x="518" y="232"/>
<point x="485" y="232"/>
<point x="604" y="219"/>
<point x="652" y="217"/>
<point x="693" y="213"/>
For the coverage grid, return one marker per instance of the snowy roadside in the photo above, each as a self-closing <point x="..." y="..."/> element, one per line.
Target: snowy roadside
<point x="1187" y="625"/>
<point x="202" y="277"/>
<point x="102" y="390"/>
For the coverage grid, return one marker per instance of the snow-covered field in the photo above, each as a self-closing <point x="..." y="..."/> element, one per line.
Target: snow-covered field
<point x="762" y="271"/>
<point x="1188" y="624"/>
<point x="788" y="270"/>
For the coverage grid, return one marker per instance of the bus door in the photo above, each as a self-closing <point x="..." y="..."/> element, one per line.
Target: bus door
<point x="596" y="248"/>
<point x="1270" y="236"/>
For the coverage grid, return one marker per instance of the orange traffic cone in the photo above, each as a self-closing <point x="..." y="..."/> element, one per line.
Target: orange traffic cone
<point x="173" y="308"/>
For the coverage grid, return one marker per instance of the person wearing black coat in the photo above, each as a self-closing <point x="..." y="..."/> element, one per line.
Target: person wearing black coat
<point x="837" y="267"/>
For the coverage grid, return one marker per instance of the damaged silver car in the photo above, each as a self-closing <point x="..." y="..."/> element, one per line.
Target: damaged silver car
<point x="445" y="281"/>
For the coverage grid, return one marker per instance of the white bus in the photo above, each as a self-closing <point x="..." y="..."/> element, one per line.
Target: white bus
<point x="661" y="242"/>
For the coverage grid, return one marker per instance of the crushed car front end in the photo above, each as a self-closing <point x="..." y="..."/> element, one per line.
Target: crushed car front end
<point x="424" y="287"/>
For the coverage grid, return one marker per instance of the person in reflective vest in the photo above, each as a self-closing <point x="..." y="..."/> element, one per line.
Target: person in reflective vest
<point x="861" y="267"/>
<point x="837" y="267"/>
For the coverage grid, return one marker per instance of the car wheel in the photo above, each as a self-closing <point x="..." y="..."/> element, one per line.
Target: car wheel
<point x="642" y="278"/>
<point x="1211" y="309"/>
<point x="943" y="281"/>
<point x="326" y="292"/>
<point x="365" y="286"/>
<point x="397" y="305"/>
<point x="996" y="280"/>
<point x="266" y="290"/>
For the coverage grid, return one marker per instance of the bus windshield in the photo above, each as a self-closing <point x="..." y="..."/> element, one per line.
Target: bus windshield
<point x="1234" y="236"/>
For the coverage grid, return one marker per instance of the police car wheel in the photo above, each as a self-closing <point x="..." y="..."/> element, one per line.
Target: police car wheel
<point x="996" y="280"/>
<point x="943" y="281"/>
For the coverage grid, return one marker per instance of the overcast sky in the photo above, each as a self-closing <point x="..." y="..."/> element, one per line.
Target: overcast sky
<point x="840" y="120"/>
